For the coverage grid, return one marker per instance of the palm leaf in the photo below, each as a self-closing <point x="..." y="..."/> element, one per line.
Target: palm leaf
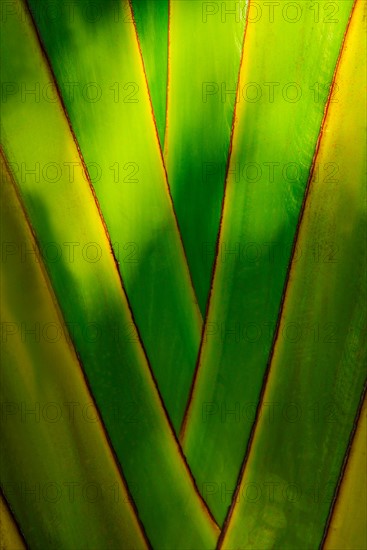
<point x="204" y="61"/>
<point x="92" y="299"/>
<point x="66" y="443"/>
<point x="128" y="178"/>
<point x="347" y="526"/>
<point x="260" y="217"/>
<point x="316" y="379"/>
<point x="151" y="19"/>
<point x="251" y="115"/>
<point x="9" y="533"/>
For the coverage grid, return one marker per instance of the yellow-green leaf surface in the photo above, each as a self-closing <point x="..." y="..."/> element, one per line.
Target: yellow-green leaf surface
<point x="151" y="19"/>
<point x="10" y="537"/>
<point x="273" y="146"/>
<point x="204" y="59"/>
<point x="57" y="469"/>
<point x="317" y="373"/>
<point x="78" y="258"/>
<point x="348" y="524"/>
<point x="111" y="115"/>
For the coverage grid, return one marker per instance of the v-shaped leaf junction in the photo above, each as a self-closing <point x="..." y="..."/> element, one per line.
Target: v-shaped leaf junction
<point x="174" y="182"/>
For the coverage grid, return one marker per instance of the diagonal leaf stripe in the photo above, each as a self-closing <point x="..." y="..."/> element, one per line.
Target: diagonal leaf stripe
<point x="159" y="161"/>
<point x="108" y="109"/>
<point x="204" y="60"/>
<point x="151" y="20"/>
<point x="318" y="380"/>
<point x="268" y="172"/>
<point x="61" y="472"/>
<point x="10" y="536"/>
<point x="75" y="248"/>
<point x="347" y="525"/>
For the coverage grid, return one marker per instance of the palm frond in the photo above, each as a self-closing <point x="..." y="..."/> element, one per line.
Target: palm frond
<point x="164" y="162"/>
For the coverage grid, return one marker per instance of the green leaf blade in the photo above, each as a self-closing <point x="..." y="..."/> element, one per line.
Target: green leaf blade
<point x="347" y="524"/>
<point x="260" y="216"/>
<point x="204" y="60"/>
<point x="10" y="535"/>
<point x="102" y="58"/>
<point x="151" y="20"/>
<point x="57" y="469"/>
<point x="318" y="378"/>
<point x="94" y="305"/>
